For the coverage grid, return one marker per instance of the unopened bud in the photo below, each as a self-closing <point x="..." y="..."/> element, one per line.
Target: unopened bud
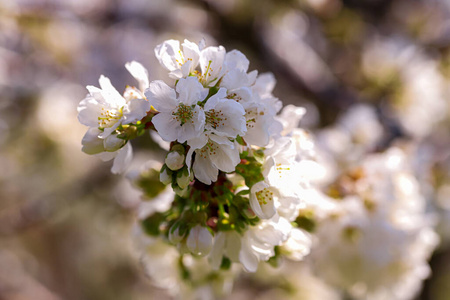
<point x="180" y="192"/>
<point x="199" y="241"/>
<point x="174" y="236"/>
<point x="184" y="178"/>
<point x="165" y="176"/>
<point x="174" y="160"/>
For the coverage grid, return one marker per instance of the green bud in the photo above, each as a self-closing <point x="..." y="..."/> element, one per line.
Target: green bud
<point x="184" y="178"/>
<point x="165" y="175"/>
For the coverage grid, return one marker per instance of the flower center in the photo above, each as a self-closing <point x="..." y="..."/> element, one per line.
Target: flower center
<point x="183" y="114"/>
<point x="252" y="115"/>
<point x="209" y="149"/>
<point x="204" y="77"/>
<point x="264" y="196"/>
<point x="181" y="60"/>
<point x="108" y="117"/>
<point x="280" y="168"/>
<point x="215" y="118"/>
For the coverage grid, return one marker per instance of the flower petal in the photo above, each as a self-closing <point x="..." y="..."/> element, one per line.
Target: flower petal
<point x="162" y="97"/>
<point x="88" y="111"/>
<point x="136" y="110"/>
<point x="92" y="144"/>
<point x="166" y="126"/>
<point x="110" y="94"/>
<point x="191" y="91"/>
<point x="211" y="64"/>
<point x="204" y="170"/>
<point x="139" y="73"/>
<point x="123" y="159"/>
<point x="167" y="54"/>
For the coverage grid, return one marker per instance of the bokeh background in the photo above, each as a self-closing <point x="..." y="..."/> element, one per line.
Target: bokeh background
<point x="65" y="221"/>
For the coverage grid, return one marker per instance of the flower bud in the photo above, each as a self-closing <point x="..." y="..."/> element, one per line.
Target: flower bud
<point x="184" y="178"/>
<point x="174" y="236"/>
<point x="181" y="192"/>
<point x="174" y="160"/>
<point x="165" y="176"/>
<point x="199" y="241"/>
<point x="113" y="143"/>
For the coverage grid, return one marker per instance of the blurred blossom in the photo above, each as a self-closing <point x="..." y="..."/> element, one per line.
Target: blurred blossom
<point x="285" y="37"/>
<point x="355" y="134"/>
<point x="294" y="281"/>
<point x="412" y="77"/>
<point x="380" y="228"/>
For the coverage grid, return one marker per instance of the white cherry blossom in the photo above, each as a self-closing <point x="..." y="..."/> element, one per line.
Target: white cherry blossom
<point x="199" y="240"/>
<point x="121" y="152"/>
<point x="259" y="241"/>
<point x="224" y="117"/>
<point x="262" y="200"/>
<point x="179" y="62"/>
<point x="236" y="76"/>
<point x="212" y="153"/>
<point x="180" y="117"/>
<point x="211" y="65"/>
<point x="106" y="109"/>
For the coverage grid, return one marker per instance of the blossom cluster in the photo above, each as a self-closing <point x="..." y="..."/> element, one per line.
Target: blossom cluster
<point x="235" y="175"/>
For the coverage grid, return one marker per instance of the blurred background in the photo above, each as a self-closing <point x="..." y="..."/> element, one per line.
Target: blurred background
<point x="65" y="220"/>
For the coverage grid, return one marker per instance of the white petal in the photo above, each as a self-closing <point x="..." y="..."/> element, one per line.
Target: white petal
<point x="214" y="99"/>
<point x="123" y="159"/>
<point x="92" y="144"/>
<point x="225" y="158"/>
<point x="235" y="79"/>
<point x="186" y="131"/>
<point x="167" y="53"/>
<point x="113" y="143"/>
<point x="204" y="170"/>
<point x="262" y="210"/>
<point x="166" y="126"/>
<point x="139" y="73"/>
<point x="258" y="132"/>
<point x="191" y="91"/>
<point x="221" y="140"/>
<point x="88" y="112"/>
<point x="106" y="156"/>
<point x="107" y="131"/>
<point x="191" y="51"/>
<point x="232" y="121"/>
<point x="216" y="255"/>
<point x="109" y="92"/>
<point x="96" y="93"/>
<point x="162" y="97"/>
<point x="211" y="64"/>
<point x="199" y="240"/>
<point x="185" y="70"/>
<point x="248" y="259"/>
<point x="137" y="109"/>
<point x="235" y="59"/>
<point x="264" y="84"/>
<point x="198" y="142"/>
<point x="298" y="245"/>
<point x="233" y="246"/>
